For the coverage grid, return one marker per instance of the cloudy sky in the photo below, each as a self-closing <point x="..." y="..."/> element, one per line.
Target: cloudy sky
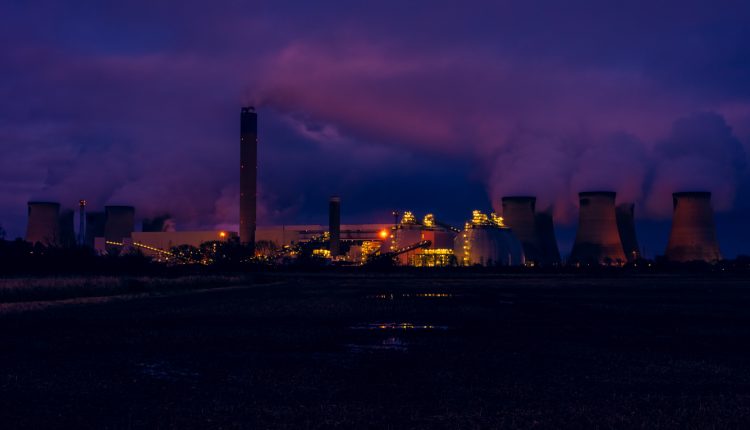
<point x="424" y="105"/>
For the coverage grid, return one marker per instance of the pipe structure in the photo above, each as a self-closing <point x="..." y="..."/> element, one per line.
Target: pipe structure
<point x="334" y="225"/>
<point x="597" y="239"/>
<point x="248" y="175"/>
<point x="626" y="227"/>
<point x="44" y="223"/>
<point x="693" y="234"/>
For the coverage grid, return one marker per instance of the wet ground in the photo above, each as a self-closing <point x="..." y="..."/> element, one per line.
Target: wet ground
<point x="389" y="351"/>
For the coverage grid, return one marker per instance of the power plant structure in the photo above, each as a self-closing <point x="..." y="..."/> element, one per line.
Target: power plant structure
<point x="597" y="239"/>
<point x="94" y="226"/>
<point x="486" y="241"/>
<point x="44" y="223"/>
<point x="693" y="234"/>
<point x="81" y="222"/>
<point x="535" y="230"/>
<point x="626" y="228"/>
<point x="67" y="231"/>
<point x="334" y="225"/>
<point x="119" y="223"/>
<point x="248" y="174"/>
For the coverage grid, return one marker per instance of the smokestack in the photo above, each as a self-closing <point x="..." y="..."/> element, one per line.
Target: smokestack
<point x="44" y="223"/>
<point x="545" y="230"/>
<point x="334" y="224"/>
<point x="119" y="222"/>
<point x="67" y="231"/>
<point x="626" y="227"/>
<point x="94" y="226"/>
<point x="693" y="235"/>
<point x="81" y="222"/>
<point x="518" y="214"/>
<point x="248" y="174"/>
<point x="597" y="238"/>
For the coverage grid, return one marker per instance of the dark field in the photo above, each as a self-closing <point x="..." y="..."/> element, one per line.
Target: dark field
<point x="389" y="351"/>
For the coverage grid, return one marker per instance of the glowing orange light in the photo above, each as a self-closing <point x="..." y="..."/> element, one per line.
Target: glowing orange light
<point x="222" y="234"/>
<point x="383" y="234"/>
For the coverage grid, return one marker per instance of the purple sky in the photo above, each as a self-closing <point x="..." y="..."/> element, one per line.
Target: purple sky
<point x="430" y="106"/>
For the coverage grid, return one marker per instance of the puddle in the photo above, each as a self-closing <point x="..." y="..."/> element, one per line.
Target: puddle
<point x="391" y="296"/>
<point x="164" y="371"/>
<point x="389" y="344"/>
<point x="398" y="326"/>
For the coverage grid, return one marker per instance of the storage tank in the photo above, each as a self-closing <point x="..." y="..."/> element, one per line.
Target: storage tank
<point x="119" y="222"/>
<point x="407" y="232"/>
<point x="626" y="228"/>
<point x="545" y="228"/>
<point x="518" y="214"/>
<point x="597" y="239"/>
<point x="44" y="223"/>
<point x="485" y="241"/>
<point x="693" y="234"/>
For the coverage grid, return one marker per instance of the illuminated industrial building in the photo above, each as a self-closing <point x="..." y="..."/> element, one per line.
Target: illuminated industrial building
<point x="486" y="241"/>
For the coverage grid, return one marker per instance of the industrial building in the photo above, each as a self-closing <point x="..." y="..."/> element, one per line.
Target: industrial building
<point x="486" y="241"/>
<point x="597" y="239"/>
<point x="693" y="233"/>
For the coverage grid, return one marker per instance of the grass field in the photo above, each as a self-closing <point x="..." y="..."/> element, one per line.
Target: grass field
<point x="386" y="351"/>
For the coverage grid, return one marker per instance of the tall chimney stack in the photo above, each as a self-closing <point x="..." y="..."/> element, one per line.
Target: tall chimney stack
<point x="81" y="222"/>
<point x="334" y="224"/>
<point x="44" y="223"/>
<point x="626" y="228"/>
<point x="248" y="175"/>
<point x="693" y="235"/>
<point x="597" y="238"/>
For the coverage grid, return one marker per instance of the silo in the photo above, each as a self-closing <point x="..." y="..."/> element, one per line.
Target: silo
<point x="626" y="227"/>
<point x="119" y="222"/>
<point x="597" y="239"/>
<point x="485" y="241"/>
<point x="94" y="226"/>
<point x="334" y="224"/>
<point x="518" y="214"/>
<point x="693" y="235"/>
<point x="67" y="230"/>
<point x="44" y="223"/>
<point x="407" y="232"/>
<point x="545" y="229"/>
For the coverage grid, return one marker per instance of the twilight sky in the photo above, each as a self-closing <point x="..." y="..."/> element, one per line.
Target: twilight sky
<point x="423" y="105"/>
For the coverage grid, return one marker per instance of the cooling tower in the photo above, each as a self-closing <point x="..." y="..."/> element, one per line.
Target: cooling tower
<point x="626" y="227"/>
<point x="545" y="230"/>
<point x="693" y="235"/>
<point x="518" y="214"/>
<point x="44" y="223"/>
<point x="334" y="224"/>
<point x="119" y="222"/>
<point x="67" y="230"/>
<point x="248" y="174"/>
<point x="94" y="227"/>
<point x="597" y="239"/>
<point x="155" y="224"/>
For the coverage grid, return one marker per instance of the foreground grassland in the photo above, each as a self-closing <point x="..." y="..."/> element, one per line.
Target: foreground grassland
<point x="378" y="351"/>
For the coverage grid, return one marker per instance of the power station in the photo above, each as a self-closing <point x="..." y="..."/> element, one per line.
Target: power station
<point x="606" y="232"/>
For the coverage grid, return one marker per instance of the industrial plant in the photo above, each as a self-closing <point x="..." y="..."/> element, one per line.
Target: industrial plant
<point x="521" y="235"/>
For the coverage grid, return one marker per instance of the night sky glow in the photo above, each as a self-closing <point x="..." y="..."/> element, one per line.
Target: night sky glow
<point x="421" y="105"/>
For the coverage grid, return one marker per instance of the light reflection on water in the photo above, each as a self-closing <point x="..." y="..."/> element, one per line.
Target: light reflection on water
<point x="398" y="326"/>
<point x="391" y="296"/>
<point x="389" y="344"/>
